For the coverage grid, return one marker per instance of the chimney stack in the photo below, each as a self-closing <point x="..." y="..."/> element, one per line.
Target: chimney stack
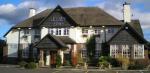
<point x="126" y="12"/>
<point x="32" y="12"/>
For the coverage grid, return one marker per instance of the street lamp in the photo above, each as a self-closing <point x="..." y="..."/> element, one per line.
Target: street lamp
<point x="104" y="33"/>
<point x="19" y="49"/>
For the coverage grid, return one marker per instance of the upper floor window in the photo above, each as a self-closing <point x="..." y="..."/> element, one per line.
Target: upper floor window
<point x="58" y="31"/>
<point x="84" y="31"/>
<point x="97" y="31"/>
<point x="37" y="32"/>
<point x="111" y="30"/>
<point x="25" y="48"/>
<point x="66" y="31"/>
<point x="26" y="31"/>
<point x="51" y="31"/>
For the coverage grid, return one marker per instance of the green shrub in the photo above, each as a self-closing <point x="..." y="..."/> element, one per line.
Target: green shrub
<point x="22" y="64"/>
<point x="31" y="65"/>
<point x="114" y="62"/>
<point x="58" y="61"/>
<point x="136" y="66"/>
<point x="103" y="62"/>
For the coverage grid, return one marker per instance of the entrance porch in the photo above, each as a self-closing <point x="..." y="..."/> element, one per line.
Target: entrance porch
<point x="50" y="47"/>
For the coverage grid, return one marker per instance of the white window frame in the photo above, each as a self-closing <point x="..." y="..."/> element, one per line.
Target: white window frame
<point x="85" y="31"/>
<point x="66" y="31"/>
<point x="26" y="31"/>
<point x="126" y="51"/>
<point x="138" y="51"/>
<point x="114" y="50"/>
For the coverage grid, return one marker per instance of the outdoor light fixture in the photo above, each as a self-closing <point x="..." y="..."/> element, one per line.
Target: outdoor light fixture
<point x="29" y="28"/>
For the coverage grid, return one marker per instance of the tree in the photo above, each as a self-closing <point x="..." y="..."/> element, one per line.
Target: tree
<point x="90" y="45"/>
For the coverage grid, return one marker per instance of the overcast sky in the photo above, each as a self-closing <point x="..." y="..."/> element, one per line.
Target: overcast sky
<point x="14" y="11"/>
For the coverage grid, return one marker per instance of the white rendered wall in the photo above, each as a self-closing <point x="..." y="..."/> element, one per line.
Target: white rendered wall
<point x="76" y="34"/>
<point x="44" y="32"/>
<point x="12" y="38"/>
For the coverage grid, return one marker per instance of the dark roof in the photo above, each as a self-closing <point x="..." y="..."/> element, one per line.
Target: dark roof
<point x="83" y="16"/>
<point x="132" y="32"/>
<point x="50" y="42"/>
<point x="136" y="25"/>
<point x="66" y="39"/>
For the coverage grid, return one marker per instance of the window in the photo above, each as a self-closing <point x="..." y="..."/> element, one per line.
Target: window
<point x="84" y="31"/>
<point x="56" y="31"/>
<point x="111" y="30"/>
<point x="37" y="32"/>
<point x="59" y="32"/>
<point x="51" y="31"/>
<point x="97" y="31"/>
<point x="114" y="51"/>
<point x="12" y="50"/>
<point x="84" y="53"/>
<point x="35" y="53"/>
<point x="125" y="51"/>
<point x="26" y="31"/>
<point x="25" y="48"/>
<point x="138" y="51"/>
<point x="66" y="31"/>
<point x="36" y="38"/>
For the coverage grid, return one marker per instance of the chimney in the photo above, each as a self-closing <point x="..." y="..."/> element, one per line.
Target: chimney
<point x="126" y="12"/>
<point x="32" y="12"/>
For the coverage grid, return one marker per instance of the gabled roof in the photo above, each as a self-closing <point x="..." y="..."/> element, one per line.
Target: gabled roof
<point x="132" y="32"/>
<point x="136" y="25"/>
<point x="58" y="9"/>
<point x="83" y="16"/>
<point x="50" y="42"/>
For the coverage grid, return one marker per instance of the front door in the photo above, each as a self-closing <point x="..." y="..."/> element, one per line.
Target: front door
<point x="53" y="58"/>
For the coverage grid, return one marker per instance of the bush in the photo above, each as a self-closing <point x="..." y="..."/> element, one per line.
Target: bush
<point x="22" y="64"/>
<point x="114" y="62"/>
<point x="103" y="62"/>
<point x="31" y="65"/>
<point x="123" y="61"/>
<point x="136" y="66"/>
<point x="58" y="61"/>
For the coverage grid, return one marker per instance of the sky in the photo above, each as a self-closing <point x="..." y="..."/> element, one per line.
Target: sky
<point x="14" y="11"/>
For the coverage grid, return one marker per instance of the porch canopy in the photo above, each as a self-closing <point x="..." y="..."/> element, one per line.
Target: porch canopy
<point x="50" y="42"/>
